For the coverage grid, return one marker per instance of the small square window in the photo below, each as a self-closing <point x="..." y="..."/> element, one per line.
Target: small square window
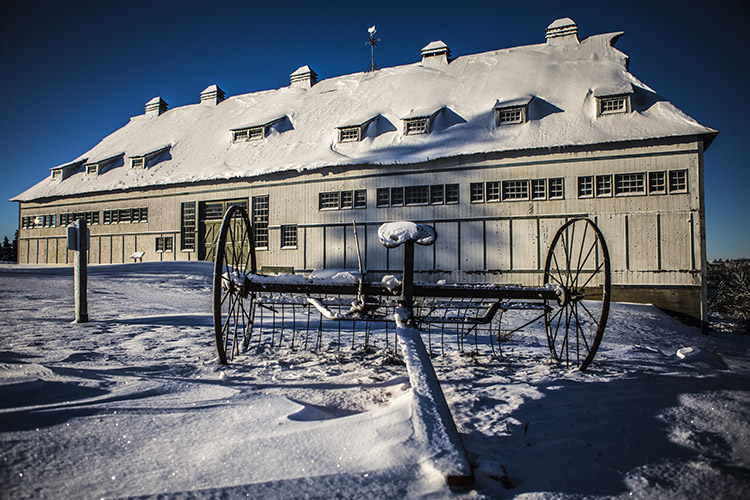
<point x="603" y="185"/>
<point x="164" y="243"/>
<point x="614" y="104"/>
<point x="289" y="237"/>
<point x="451" y="194"/>
<point x="515" y="190"/>
<point x="414" y="126"/>
<point x="492" y="191"/>
<point x="630" y="184"/>
<point x="476" y="192"/>
<point x="657" y="183"/>
<point x="328" y="201"/>
<point x="349" y="134"/>
<point x="678" y="181"/>
<point x="586" y="186"/>
<point x="556" y="188"/>
<point x="137" y="162"/>
<point x="509" y="116"/>
<point x="538" y="189"/>
<point x="384" y="197"/>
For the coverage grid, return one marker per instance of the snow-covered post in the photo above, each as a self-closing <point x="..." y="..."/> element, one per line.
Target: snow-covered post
<point x="431" y="416"/>
<point x="78" y="240"/>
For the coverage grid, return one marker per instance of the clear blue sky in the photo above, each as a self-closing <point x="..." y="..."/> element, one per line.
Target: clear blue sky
<point x="73" y="72"/>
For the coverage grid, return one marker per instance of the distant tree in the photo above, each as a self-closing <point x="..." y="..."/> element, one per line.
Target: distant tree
<point x="14" y="257"/>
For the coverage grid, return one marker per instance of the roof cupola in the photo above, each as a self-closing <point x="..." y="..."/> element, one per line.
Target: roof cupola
<point x="562" y="32"/>
<point x="303" y="77"/>
<point x="436" y="54"/>
<point x="156" y="106"/>
<point x="212" y="95"/>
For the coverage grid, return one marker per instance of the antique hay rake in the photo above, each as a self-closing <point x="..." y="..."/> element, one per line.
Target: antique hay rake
<point x="328" y="312"/>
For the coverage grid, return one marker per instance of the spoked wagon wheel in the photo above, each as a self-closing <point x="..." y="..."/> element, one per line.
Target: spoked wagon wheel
<point x="233" y="305"/>
<point x="578" y="260"/>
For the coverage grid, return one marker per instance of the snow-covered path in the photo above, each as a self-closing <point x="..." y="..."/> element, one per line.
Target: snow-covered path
<point x="132" y="404"/>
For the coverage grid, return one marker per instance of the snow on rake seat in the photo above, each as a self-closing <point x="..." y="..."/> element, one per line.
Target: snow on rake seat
<point x="325" y="311"/>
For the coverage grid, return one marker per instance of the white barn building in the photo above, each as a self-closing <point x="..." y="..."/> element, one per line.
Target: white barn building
<point x="495" y="150"/>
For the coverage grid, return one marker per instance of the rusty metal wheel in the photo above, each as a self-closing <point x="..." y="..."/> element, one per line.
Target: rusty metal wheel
<point x="232" y="304"/>
<point x="578" y="261"/>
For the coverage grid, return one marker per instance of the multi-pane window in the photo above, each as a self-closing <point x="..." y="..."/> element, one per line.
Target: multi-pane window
<point x="213" y="210"/>
<point x="506" y="116"/>
<point x="164" y="243"/>
<point x="384" y="197"/>
<point x="123" y="215"/>
<point x="476" y="192"/>
<point x="538" y="189"/>
<point x="349" y="134"/>
<point x="260" y="220"/>
<point x="657" y="182"/>
<point x="515" y="190"/>
<point x="604" y="185"/>
<point x="678" y="181"/>
<point x="613" y="104"/>
<point x="451" y="193"/>
<point x="633" y="183"/>
<point x="91" y="217"/>
<point x="492" y="191"/>
<point x="288" y="236"/>
<point x="556" y="188"/>
<point x="437" y="194"/>
<point x="247" y="134"/>
<point x="342" y="200"/>
<point x="30" y="222"/>
<point x="586" y="186"/>
<point x="417" y="195"/>
<point x="414" y="126"/>
<point x="397" y="197"/>
<point x="329" y="201"/>
<point x="137" y="162"/>
<point x="187" y="227"/>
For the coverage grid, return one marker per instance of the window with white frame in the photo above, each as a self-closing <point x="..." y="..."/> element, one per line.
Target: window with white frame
<point x="603" y="185"/>
<point x="586" y="186"/>
<point x="164" y="243"/>
<point x="137" y="162"/>
<point x="492" y="191"/>
<point x="342" y="200"/>
<point x="347" y="200"/>
<point x="260" y="220"/>
<point x="248" y="134"/>
<point x="610" y="105"/>
<point x="187" y="226"/>
<point x="349" y="134"/>
<point x="657" y="182"/>
<point x="329" y="200"/>
<point x="417" y="195"/>
<point x="476" y="192"/>
<point x="538" y="189"/>
<point x="360" y="198"/>
<point x="630" y="184"/>
<point x="678" y="181"/>
<point x="556" y="188"/>
<point x="515" y="190"/>
<point x="510" y="116"/>
<point x="289" y="237"/>
<point x="414" y="126"/>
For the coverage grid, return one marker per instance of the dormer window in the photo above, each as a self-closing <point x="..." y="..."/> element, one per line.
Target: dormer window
<point x="255" y="132"/>
<point x="95" y="168"/>
<point x="354" y="132"/>
<point x="420" y="121"/>
<point x="349" y="134"/>
<point x="415" y="126"/>
<point x="148" y="159"/>
<point x="63" y="171"/>
<point x="512" y="111"/>
<point x="613" y="101"/>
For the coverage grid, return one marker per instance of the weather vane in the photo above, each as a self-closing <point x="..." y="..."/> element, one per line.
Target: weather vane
<point x="372" y="42"/>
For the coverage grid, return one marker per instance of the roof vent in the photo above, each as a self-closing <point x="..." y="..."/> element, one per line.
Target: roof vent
<point x="212" y="95"/>
<point x="562" y="32"/>
<point x="435" y="54"/>
<point x="303" y="77"/>
<point x="156" y="106"/>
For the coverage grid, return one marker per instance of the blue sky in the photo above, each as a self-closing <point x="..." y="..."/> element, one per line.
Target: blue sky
<point x="73" y="72"/>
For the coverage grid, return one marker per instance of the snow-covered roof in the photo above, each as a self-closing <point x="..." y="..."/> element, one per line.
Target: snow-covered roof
<point x="561" y="77"/>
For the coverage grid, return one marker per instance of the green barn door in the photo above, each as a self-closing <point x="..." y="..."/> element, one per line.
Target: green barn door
<point x="211" y="214"/>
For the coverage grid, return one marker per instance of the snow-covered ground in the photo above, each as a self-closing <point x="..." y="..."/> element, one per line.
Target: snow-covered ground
<point x="132" y="404"/>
